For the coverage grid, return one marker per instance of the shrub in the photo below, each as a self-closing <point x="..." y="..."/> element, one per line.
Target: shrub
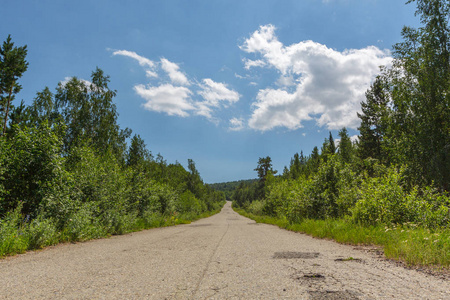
<point x="32" y="168"/>
<point x="186" y="202"/>
<point x="82" y="225"/>
<point x="381" y="200"/>
<point x="41" y="233"/>
<point x="12" y="238"/>
<point x="257" y="207"/>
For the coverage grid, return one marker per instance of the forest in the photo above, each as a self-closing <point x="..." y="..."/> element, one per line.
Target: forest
<point x="389" y="187"/>
<point x="69" y="173"/>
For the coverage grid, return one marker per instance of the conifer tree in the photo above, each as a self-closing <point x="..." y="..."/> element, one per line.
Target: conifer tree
<point x="12" y="67"/>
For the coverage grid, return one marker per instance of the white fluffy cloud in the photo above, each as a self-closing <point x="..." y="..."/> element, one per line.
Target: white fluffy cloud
<point x="316" y="82"/>
<point x="172" y="69"/>
<point x="176" y="96"/>
<point x="145" y="62"/>
<point x="173" y="100"/>
<point x="214" y="92"/>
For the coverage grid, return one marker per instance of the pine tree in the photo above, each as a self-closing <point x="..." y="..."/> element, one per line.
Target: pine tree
<point x="374" y="121"/>
<point x="345" y="150"/>
<point x="331" y="145"/>
<point x="12" y="67"/>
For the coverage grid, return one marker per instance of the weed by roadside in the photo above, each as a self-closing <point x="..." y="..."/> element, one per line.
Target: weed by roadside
<point x="408" y="243"/>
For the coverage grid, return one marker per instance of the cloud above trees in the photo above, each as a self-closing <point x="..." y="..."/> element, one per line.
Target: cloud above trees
<point x="175" y="94"/>
<point x="315" y="82"/>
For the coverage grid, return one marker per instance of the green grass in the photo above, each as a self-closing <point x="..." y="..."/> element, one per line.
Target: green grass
<point x="409" y="243"/>
<point x="18" y="237"/>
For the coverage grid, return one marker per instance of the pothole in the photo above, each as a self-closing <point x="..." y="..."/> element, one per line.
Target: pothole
<point x="293" y="255"/>
<point x="338" y="295"/>
<point x="313" y="275"/>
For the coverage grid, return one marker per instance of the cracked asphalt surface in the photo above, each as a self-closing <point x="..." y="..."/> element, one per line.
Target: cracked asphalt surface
<point x="225" y="256"/>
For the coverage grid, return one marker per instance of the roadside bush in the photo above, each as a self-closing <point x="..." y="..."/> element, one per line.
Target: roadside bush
<point x="12" y="238"/>
<point x="257" y="207"/>
<point x="428" y="208"/>
<point x="82" y="225"/>
<point x="41" y="232"/>
<point x="299" y="201"/>
<point x="381" y="200"/>
<point x="186" y="202"/>
<point x="31" y="168"/>
<point x="277" y="198"/>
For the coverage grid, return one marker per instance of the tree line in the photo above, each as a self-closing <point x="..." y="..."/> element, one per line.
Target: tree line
<point x="68" y="171"/>
<point x="398" y="170"/>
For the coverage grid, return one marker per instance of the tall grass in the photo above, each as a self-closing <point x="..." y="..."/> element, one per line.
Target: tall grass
<point x="18" y="235"/>
<point x="408" y="243"/>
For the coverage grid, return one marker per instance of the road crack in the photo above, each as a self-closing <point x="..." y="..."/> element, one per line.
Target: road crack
<point x="209" y="262"/>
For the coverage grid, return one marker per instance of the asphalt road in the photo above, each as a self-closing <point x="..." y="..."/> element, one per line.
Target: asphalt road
<point x="225" y="256"/>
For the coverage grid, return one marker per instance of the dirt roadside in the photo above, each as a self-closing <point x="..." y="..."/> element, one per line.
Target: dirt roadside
<point x="225" y="256"/>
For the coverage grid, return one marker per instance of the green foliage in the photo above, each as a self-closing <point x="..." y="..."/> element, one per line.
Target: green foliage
<point x="66" y="175"/>
<point x="41" y="232"/>
<point x="345" y="150"/>
<point x="137" y="153"/>
<point x="12" y="239"/>
<point x="90" y="114"/>
<point x="12" y="67"/>
<point x="229" y="187"/>
<point x="374" y="121"/>
<point x="383" y="200"/>
<point x="33" y="171"/>
<point x="400" y="176"/>
<point x="414" y="245"/>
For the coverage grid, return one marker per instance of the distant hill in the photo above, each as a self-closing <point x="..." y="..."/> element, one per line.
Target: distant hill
<point x="229" y="187"/>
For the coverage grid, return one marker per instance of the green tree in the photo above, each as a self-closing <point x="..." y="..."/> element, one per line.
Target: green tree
<point x="12" y="67"/>
<point x="42" y="108"/>
<point x="90" y="114"/>
<point x="328" y="148"/>
<point x="195" y="183"/>
<point x="295" y="167"/>
<point x="420" y="88"/>
<point x="331" y="145"/>
<point x="374" y="121"/>
<point x="263" y="169"/>
<point x="345" y="149"/>
<point x="137" y="153"/>
<point x="35" y="169"/>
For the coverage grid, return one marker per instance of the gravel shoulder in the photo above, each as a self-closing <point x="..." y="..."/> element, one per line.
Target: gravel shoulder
<point x="225" y="256"/>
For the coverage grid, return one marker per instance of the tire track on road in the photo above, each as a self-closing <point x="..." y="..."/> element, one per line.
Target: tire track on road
<point x="209" y="262"/>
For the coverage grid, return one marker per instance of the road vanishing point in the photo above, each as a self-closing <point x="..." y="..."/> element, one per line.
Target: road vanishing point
<point x="225" y="256"/>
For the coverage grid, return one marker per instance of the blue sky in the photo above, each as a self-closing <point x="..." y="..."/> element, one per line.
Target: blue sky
<point x="221" y="82"/>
